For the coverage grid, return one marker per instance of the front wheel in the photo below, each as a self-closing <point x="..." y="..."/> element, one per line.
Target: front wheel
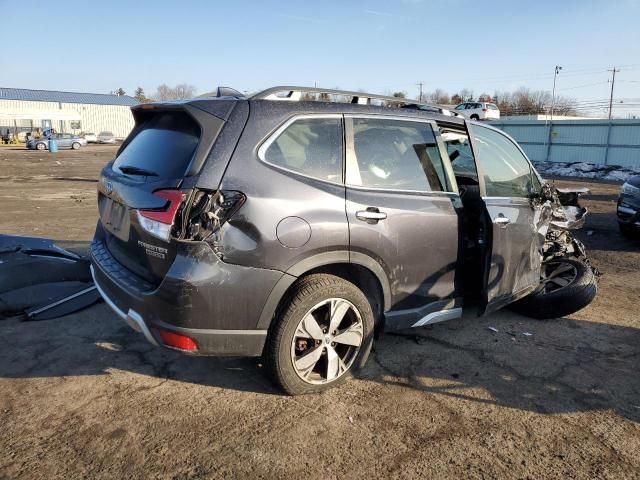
<point x="322" y="334"/>
<point x="567" y="285"/>
<point x="75" y="145"/>
<point x="41" y="146"/>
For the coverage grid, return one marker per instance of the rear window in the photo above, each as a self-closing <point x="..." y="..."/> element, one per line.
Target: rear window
<point x="163" y="144"/>
<point x="491" y="106"/>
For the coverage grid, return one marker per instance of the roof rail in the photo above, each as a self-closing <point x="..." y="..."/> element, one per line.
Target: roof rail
<point x="292" y="93"/>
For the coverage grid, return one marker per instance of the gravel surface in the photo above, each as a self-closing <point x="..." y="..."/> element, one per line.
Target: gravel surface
<point x="86" y="397"/>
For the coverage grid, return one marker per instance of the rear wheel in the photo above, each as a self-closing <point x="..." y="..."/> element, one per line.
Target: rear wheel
<point x="567" y="285"/>
<point x="75" y="145"/>
<point x="41" y="146"/>
<point x="323" y="334"/>
<point x="475" y="117"/>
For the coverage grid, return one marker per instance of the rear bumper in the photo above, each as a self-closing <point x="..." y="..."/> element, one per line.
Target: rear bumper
<point x="215" y="304"/>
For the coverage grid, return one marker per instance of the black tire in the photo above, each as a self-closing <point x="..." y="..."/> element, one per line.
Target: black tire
<point x="565" y="300"/>
<point x="75" y="145"/>
<point x="306" y="295"/>
<point x="475" y="117"/>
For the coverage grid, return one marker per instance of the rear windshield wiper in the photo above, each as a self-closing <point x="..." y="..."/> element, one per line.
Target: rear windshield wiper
<point x="133" y="170"/>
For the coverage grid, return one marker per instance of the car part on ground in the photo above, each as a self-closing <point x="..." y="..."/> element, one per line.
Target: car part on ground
<point x="40" y="280"/>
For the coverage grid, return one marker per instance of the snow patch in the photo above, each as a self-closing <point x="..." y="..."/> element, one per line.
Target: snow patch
<point x="585" y="170"/>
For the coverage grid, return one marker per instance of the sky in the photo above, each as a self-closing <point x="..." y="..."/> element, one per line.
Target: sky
<point x="379" y="46"/>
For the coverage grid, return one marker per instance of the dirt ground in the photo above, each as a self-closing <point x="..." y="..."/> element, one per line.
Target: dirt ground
<point x="86" y="397"/>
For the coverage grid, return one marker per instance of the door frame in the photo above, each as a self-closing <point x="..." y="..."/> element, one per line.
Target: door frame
<point x="439" y="310"/>
<point x="487" y="306"/>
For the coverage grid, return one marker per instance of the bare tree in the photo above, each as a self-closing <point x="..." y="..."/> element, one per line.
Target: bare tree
<point x="439" y="96"/>
<point x="466" y="95"/>
<point x="166" y="93"/>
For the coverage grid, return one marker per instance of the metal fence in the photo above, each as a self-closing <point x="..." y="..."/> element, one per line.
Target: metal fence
<point x="600" y="142"/>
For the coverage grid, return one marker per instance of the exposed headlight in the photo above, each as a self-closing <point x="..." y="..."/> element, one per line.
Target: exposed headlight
<point x="629" y="189"/>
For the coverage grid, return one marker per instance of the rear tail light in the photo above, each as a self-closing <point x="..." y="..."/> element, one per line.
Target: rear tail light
<point x="484" y="109"/>
<point x="159" y="222"/>
<point x="175" y="340"/>
<point x="212" y="210"/>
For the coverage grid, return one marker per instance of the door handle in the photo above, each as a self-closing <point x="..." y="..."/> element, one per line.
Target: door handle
<point x="371" y="215"/>
<point x="502" y="221"/>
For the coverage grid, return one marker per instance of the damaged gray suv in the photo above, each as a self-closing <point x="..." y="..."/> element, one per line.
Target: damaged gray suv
<point x="298" y="223"/>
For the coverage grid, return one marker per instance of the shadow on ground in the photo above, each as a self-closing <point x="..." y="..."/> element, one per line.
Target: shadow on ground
<point x="565" y="365"/>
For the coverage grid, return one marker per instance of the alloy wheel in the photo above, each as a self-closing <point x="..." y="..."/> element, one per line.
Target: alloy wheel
<point x="557" y="275"/>
<point x="327" y="341"/>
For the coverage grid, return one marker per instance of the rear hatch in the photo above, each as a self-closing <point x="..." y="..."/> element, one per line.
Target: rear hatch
<point x="142" y="193"/>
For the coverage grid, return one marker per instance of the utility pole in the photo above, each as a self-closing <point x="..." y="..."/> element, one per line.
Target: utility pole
<point x="420" y="96"/>
<point x="553" y="95"/>
<point x="613" y="81"/>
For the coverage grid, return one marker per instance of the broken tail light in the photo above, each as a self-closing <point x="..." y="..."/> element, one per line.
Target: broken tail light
<point x="210" y="211"/>
<point x="159" y="222"/>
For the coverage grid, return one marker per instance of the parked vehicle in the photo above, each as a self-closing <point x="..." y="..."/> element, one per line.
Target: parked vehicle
<point x="478" y="110"/>
<point x="89" y="137"/>
<point x="106" y="137"/>
<point x="64" y="140"/>
<point x="295" y="230"/>
<point x="629" y="206"/>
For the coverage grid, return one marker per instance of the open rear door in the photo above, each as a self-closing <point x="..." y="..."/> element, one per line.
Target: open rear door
<point x="518" y="223"/>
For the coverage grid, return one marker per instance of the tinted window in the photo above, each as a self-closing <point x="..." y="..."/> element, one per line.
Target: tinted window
<point x="398" y="155"/>
<point x="312" y="146"/>
<point x="461" y="107"/>
<point x="505" y="169"/>
<point x="163" y="144"/>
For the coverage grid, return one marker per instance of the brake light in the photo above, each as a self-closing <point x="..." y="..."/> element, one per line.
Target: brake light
<point x="159" y="222"/>
<point x="212" y="210"/>
<point x="175" y="340"/>
<point x="484" y="109"/>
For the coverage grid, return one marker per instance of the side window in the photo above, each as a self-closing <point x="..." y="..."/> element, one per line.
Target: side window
<point x="396" y="155"/>
<point x="311" y="146"/>
<point x="460" y="154"/>
<point x="505" y="169"/>
<point x="462" y="106"/>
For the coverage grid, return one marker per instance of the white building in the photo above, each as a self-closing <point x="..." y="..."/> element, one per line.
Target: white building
<point x="24" y="110"/>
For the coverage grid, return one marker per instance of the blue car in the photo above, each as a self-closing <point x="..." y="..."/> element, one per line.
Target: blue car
<point x="65" y="140"/>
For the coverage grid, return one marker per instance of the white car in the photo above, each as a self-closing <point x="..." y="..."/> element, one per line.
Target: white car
<point x="106" y="137"/>
<point x="478" y="110"/>
<point x="89" y="137"/>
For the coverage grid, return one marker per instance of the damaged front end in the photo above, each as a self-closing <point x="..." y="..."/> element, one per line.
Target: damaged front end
<point x="566" y="215"/>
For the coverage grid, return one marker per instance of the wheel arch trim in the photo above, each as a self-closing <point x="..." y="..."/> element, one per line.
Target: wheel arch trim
<point x="316" y="261"/>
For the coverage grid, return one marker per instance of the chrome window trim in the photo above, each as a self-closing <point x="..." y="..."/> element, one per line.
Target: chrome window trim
<point x="272" y="137"/>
